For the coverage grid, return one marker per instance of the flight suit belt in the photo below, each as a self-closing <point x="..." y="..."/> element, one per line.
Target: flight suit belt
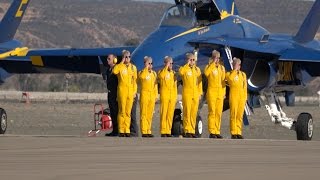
<point x="167" y="91"/>
<point x="147" y="91"/>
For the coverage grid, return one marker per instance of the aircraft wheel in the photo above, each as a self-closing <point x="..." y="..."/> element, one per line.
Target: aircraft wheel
<point x="199" y="126"/>
<point x="304" y="127"/>
<point x="3" y="121"/>
<point x="177" y="127"/>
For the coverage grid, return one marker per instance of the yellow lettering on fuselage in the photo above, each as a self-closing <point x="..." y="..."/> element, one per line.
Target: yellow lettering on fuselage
<point x="186" y="32"/>
<point x="19" y="13"/>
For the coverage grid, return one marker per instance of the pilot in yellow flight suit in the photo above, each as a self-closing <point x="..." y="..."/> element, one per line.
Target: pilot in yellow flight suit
<point x="168" y="96"/>
<point x="237" y="81"/>
<point x="191" y="94"/>
<point x="127" y="89"/>
<point x="216" y="91"/>
<point x="148" y="96"/>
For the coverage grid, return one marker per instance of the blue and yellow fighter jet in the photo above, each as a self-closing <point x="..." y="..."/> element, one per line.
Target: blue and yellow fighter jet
<point x="8" y="28"/>
<point x="273" y="62"/>
<point x="9" y="47"/>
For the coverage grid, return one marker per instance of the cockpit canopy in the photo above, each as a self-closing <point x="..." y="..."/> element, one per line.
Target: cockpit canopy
<point x="185" y="16"/>
<point x="179" y="16"/>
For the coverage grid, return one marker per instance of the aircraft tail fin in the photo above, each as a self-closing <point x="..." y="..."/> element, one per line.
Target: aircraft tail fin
<point x="227" y="7"/>
<point x="310" y="25"/>
<point x="11" y="20"/>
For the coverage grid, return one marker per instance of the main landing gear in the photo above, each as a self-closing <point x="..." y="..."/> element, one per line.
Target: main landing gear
<point x="3" y="121"/>
<point x="303" y="125"/>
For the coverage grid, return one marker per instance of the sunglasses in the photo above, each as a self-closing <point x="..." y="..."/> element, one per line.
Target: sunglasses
<point x="150" y="63"/>
<point x="191" y="59"/>
<point x="127" y="57"/>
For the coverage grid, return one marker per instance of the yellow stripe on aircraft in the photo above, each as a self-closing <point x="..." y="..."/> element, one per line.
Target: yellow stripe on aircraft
<point x="19" y="12"/>
<point x="232" y="11"/>
<point x="36" y="60"/>
<point x="15" y="52"/>
<point x="224" y="14"/>
<point x="186" y="32"/>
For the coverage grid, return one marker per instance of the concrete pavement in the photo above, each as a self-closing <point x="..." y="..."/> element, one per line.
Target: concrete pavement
<point x="50" y="157"/>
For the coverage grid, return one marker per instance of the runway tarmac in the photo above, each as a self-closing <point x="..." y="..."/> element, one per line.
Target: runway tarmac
<point x="48" y="141"/>
<point x="63" y="157"/>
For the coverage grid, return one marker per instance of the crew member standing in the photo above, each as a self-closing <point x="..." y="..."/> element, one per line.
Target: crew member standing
<point x="112" y="85"/>
<point x="148" y="96"/>
<point x="127" y="89"/>
<point x="237" y="81"/>
<point x="168" y="96"/>
<point x="191" y="94"/>
<point x="215" y="74"/>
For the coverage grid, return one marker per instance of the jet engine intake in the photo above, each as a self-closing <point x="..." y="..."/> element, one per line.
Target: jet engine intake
<point x="263" y="76"/>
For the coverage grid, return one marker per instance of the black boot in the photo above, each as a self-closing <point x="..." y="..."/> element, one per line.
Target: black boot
<point x="234" y="137"/>
<point x="188" y="135"/>
<point x="240" y="137"/>
<point x="219" y="136"/>
<point x="194" y="136"/>
<point x="112" y="134"/>
<point x="212" y="136"/>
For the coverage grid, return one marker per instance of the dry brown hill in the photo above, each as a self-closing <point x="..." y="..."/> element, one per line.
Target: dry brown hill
<point x="73" y="23"/>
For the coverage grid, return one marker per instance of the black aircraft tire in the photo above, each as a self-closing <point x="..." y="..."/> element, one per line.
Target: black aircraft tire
<point x="199" y="126"/>
<point x="3" y="121"/>
<point x="304" y="127"/>
<point x="176" y="129"/>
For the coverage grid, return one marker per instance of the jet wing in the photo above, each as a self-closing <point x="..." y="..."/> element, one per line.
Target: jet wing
<point x="72" y="60"/>
<point x="17" y="64"/>
<point x="301" y="54"/>
<point x="243" y="43"/>
<point x="286" y="50"/>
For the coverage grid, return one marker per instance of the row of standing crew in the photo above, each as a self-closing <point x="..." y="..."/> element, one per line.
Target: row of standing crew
<point x="126" y="75"/>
